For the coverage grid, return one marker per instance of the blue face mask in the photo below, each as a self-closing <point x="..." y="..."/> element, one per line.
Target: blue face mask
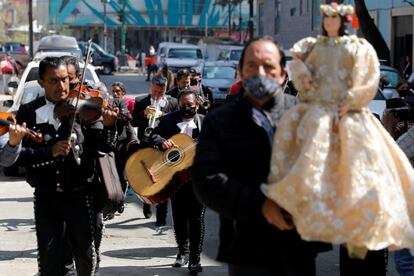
<point x="261" y="87"/>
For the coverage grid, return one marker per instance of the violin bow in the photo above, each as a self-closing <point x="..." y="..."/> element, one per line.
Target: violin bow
<point x="72" y="137"/>
<point x="88" y="58"/>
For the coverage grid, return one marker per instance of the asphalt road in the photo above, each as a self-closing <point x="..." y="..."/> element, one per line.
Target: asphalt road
<point x="134" y="84"/>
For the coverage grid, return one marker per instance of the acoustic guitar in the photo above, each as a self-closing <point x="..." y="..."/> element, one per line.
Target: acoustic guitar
<point x="150" y="171"/>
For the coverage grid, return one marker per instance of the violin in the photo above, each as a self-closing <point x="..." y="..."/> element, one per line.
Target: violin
<point x="94" y="101"/>
<point x="86" y="96"/>
<point x="8" y="118"/>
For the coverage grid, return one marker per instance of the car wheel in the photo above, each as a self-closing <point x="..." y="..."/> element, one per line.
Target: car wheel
<point x="11" y="171"/>
<point x="107" y="70"/>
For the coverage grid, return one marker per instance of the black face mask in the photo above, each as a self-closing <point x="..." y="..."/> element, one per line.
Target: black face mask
<point x="187" y="111"/>
<point x="261" y="87"/>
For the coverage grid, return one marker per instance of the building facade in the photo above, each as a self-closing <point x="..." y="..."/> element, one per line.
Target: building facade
<point x="147" y="22"/>
<point x="290" y="20"/>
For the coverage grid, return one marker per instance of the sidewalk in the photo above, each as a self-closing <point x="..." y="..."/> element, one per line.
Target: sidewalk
<point x="130" y="245"/>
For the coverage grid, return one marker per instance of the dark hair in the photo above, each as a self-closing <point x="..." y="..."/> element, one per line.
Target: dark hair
<point x="265" y="38"/>
<point x="120" y="85"/>
<point x="50" y="62"/>
<point x="183" y="73"/>
<point x="342" y="29"/>
<point x="185" y="92"/>
<point x="195" y="72"/>
<point x="159" y="80"/>
<point x="70" y="60"/>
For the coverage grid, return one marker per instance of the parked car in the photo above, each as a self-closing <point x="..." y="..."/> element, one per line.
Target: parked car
<point x="219" y="77"/>
<point x="179" y="56"/>
<point x="60" y="43"/>
<point x="231" y="54"/>
<point x="100" y="58"/>
<point x="24" y="91"/>
<point x="393" y="77"/>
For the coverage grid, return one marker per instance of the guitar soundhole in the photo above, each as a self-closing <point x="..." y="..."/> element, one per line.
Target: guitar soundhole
<point x="173" y="156"/>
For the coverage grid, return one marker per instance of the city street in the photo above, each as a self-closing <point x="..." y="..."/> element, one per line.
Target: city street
<point x="134" y="84"/>
<point x="130" y="245"/>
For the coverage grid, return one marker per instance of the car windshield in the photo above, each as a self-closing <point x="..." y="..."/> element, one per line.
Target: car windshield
<point x="31" y="93"/>
<point x="34" y="74"/>
<point x="235" y="54"/>
<point x="97" y="47"/>
<point x="185" y="53"/>
<point x="219" y="72"/>
<point x="393" y="77"/>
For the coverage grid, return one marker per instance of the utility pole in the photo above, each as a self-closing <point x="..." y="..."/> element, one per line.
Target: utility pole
<point x="240" y="22"/>
<point x="105" y="32"/>
<point x="31" y="28"/>
<point x="206" y="25"/>
<point x="229" y="19"/>
<point x="123" y="32"/>
<point x="251" y="20"/>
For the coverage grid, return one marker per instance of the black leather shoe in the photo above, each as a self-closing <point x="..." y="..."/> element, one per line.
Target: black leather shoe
<point x="180" y="261"/>
<point x="194" y="269"/>
<point x="147" y="211"/>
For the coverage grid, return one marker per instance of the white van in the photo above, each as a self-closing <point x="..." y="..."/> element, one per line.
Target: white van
<point x="179" y="56"/>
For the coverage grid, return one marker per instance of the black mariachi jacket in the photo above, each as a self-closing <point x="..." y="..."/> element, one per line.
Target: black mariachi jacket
<point x="139" y="118"/>
<point x="232" y="161"/>
<point x="168" y="127"/>
<point x="45" y="172"/>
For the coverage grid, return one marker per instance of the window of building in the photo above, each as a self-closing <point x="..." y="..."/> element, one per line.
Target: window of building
<point x="261" y="19"/>
<point x="277" y="15"/>
<point x="292" y="11"/>
<point x="316" y="14"/>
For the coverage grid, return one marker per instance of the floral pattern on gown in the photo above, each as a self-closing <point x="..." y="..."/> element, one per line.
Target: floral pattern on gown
<point x="344" y="180"/>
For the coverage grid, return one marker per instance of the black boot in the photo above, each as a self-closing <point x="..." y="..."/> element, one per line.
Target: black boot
<point x="147" y="210"/>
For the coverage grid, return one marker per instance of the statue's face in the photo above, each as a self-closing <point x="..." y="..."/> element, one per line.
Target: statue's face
<point x="332" y="24"/>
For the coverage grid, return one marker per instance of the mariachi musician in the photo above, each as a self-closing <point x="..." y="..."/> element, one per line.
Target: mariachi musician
<point x="187" y="211"/>
<point x="62" y="171"/>
<point x="157" y="103"/>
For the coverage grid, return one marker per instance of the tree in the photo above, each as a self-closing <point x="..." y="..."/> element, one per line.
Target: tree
<point x="228" y="3"/>
<point x="371" y="32"/>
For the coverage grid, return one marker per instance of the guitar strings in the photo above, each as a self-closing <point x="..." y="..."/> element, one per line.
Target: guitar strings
<point x="172" y="157"/>
<point x="175" y="155"/>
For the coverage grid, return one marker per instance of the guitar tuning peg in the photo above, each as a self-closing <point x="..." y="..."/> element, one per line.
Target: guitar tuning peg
<point x="77" y="148"/>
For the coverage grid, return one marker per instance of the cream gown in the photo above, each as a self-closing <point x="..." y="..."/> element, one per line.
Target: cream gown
<point x="343" y="180"/>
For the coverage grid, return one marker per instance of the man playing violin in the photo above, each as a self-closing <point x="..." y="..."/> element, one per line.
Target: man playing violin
<point x="144" y="108"/>
<point x="10" y="144"/>
<point x="63" y="185"/>
<point x="187" y="211"/>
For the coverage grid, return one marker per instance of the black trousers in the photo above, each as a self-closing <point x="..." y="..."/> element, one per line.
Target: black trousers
<point x="161" y="212"/>
<point x="375" y="263"/>
<point x="64" y="214"/>
<point x="68" y="266"/>
<point x="188" y="219"/>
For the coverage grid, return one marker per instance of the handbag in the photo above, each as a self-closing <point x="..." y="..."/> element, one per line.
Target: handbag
<point x="109" y="194"/>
